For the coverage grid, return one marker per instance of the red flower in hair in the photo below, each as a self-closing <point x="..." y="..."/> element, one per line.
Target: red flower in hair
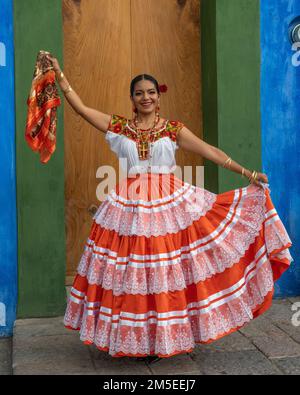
<point x="163" y="88"/>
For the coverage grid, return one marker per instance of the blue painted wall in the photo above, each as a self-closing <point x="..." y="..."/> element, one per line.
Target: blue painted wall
<point x="8" y="228"/>
<point x="280" y="112"/>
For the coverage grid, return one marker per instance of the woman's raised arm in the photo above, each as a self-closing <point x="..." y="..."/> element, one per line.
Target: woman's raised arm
<point x="96" y="118"/>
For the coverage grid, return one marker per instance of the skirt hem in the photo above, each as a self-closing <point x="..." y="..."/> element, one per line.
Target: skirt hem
<point x="260" y="309"/>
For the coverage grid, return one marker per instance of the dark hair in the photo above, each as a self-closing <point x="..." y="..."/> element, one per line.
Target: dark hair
<point x="141" y="77"/>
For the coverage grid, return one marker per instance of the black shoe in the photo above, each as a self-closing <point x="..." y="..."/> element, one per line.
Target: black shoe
<point x="153" y="358"/>
<point x="142" y="359"/>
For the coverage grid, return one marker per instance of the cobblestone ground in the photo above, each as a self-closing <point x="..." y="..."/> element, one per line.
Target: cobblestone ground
<point x="268" y="345"/>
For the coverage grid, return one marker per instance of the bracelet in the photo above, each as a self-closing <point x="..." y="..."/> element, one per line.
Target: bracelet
<point x="227" y="160"/>
<point x="69" y="89"/>
<point x="253" y="176"/>
<point x="250" y="178"/>
<point x="243" y="172"/>
<point x="61" y="76"/>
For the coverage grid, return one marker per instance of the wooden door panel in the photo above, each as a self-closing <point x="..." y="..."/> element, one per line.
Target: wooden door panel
<point x="97" y="64"/>
<point x="106" y="44"/>
<point x="166" y="44"/>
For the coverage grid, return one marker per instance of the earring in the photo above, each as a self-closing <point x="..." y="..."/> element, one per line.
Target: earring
<point x="157" y="110"/>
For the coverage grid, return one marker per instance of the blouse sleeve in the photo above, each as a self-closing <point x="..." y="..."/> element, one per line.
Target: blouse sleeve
<point x="117" y="123"/>
<point x="174" y="127"/>
<point x="114" y="131"/>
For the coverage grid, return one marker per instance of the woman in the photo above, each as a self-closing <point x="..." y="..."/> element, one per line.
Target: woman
<point x="160" y="273"/>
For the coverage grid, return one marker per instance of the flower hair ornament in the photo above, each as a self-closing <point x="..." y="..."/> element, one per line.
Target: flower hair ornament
<point x="163" y="88"/>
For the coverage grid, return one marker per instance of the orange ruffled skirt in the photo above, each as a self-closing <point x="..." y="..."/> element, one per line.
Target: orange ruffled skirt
<point x="168" y="265"/>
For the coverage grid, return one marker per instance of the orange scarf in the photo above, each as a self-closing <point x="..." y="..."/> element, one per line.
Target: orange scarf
<point x="42" y="103"/>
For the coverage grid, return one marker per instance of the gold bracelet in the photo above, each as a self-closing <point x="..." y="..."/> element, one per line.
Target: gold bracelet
<point x="250" y="178"/>
<point x="61" y="76"/>
<point x="253" y="176"/>
<point x="227" y="160"/>
<point x="69" y="89"/>
<point x="243" y="172"/>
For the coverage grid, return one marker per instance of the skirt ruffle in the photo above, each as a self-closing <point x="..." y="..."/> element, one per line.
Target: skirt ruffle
<point x="168" y="265"/>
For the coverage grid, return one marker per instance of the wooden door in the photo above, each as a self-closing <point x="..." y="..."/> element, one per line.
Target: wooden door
<point x="106" y="44"/>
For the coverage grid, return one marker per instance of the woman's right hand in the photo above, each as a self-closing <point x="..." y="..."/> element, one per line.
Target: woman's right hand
<point x="54" y="62"/>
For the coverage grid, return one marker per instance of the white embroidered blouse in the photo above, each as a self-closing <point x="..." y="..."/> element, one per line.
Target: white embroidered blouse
<point x="122" y="140"/>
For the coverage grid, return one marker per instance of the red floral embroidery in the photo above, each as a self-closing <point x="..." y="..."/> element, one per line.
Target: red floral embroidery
<point x="117" y="128"/>
<point x="172" y="129"/>
<point x="118" y="124"/>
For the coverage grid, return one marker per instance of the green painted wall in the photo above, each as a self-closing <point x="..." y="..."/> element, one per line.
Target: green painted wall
<point x="231" y="87"/>
<point x="40" y="188"/>
<point x="209" y="88"/>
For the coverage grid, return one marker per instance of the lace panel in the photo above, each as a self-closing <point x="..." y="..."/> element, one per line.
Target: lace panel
<point x="182" y="213"/>
<point x="200" y="325"/>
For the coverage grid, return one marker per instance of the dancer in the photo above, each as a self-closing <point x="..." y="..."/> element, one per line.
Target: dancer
<point x="168" y="265"/>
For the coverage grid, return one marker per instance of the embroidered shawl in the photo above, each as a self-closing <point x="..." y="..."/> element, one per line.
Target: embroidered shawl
<point x="42" y="103"/>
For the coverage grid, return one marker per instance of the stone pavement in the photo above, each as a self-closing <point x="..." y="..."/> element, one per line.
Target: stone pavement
<point x="268" y="345"/>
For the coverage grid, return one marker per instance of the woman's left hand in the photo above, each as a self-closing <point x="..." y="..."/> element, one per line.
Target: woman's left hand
<point x="261" y="178"/>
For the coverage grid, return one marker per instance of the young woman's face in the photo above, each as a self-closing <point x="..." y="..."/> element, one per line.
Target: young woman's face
<point x="145" y="97"/>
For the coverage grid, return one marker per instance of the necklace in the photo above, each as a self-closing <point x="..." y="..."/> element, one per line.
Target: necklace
<point x="143" y="138"/>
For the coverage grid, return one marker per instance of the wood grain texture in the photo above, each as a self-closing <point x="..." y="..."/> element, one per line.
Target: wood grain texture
<point x="166" y="44"/>
<point x="106" y="44"/>
<point x="97" y="63"/>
